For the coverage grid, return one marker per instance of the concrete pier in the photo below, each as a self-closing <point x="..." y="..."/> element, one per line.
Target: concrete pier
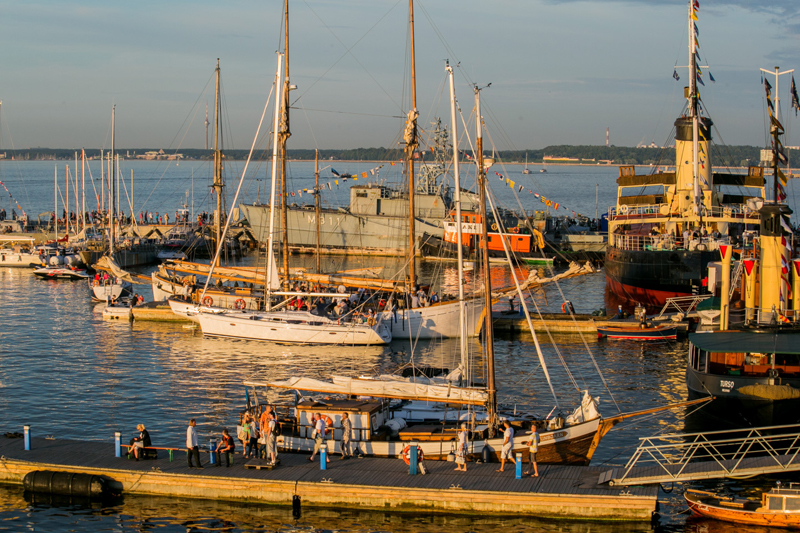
<point x="369" y="483"/>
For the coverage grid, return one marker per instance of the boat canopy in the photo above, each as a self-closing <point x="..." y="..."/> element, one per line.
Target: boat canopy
<point x="380" y="388"/>
<point x="747" y="342"/>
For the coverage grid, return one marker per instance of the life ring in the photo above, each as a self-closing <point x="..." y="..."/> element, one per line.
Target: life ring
<point x="564" y="307"/>
<point x="208" y="301"/>
<point x="773" y="373"/>
<point x="494" y="226"/>
<point x="514" y="230"/>
<point x="371" y="321"/>
<point x="238" y="304"/>
<point x="623" y="210"/>
<point x="407" y="454"/>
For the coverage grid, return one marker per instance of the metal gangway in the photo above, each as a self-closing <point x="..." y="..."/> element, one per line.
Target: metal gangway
<point x="683" y="305"/>
<point x="739" y="453"/>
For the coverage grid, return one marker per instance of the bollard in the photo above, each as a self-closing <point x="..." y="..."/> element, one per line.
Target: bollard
<point x="211" y="446"/>
<point x="170" y="455"/>
<point x="27" y="430"/>
<point x="519" y="465"/>
<point x="118" y="444"/>
<point x="323" y="457"/>
<point x="413" y="461"/>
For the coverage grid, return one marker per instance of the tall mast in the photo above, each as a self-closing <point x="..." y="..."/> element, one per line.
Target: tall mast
<point x="102" y="183"/>
<point x="491" y="388"/>
<point x="462" y="318"/>
<point x="218" y="184"/>
<point x="206" y="123"/>
<point x="83" y="187"/>
<point x="271" y="236"/>
<point x="55" y="202"/>
<point x="693" y="97"/>
<point x="285" y="133"/>
<point x="66" y="208"/>
<point x="410" y="138"/>
<point x="111" y="180"/>
<point x="316" y="201"/>
<point x="776" y="130"/>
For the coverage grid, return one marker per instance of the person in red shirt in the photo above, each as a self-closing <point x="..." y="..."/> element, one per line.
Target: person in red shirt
<point x="225" y="448"/>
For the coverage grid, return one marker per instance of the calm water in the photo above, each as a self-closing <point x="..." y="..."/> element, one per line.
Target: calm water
<point x="67" y="373"/>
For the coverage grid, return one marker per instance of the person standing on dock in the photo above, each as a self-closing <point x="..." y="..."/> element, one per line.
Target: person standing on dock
<point x="272" y="437"/>
<point x="508" y="446"/>
<point x="192" y="445"/>
<point x="347" y="430"/>
<point x="533" y="447"/>
<point x="461" y="450"/>
<point x="318" y="434"/>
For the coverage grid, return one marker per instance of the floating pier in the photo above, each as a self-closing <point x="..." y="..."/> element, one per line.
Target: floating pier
<point x="369" y="483"/>
<point x="562" y="323"/>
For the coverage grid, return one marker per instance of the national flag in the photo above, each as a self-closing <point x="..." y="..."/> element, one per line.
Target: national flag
<point x="333" y="171"/>
<point x="784" y="266"/>
<point x="675" y="74"/>
<point x="795" y="100"/>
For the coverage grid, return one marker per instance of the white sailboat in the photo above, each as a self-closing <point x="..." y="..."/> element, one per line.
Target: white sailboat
<point x="526" y="170"/>
<point x="18" y="252"/>
<point x="280" y="324"/>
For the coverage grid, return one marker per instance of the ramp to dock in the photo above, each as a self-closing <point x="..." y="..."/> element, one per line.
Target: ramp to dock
<point x="738" y="453"/>
<point x="369" y="483"/>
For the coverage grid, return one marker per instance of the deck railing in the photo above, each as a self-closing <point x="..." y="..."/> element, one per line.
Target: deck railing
<point x="664" y="242"/>
<point x="653" y="210"/>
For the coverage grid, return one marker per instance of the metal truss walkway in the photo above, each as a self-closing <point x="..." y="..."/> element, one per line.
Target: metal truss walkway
<point x="737" y="453"/>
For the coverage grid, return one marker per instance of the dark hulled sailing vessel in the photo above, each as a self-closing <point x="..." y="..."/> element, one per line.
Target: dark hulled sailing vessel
<point x="666" y="227"/>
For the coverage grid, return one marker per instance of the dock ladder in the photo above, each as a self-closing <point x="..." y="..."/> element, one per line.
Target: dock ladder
<point x="739" y="453"/>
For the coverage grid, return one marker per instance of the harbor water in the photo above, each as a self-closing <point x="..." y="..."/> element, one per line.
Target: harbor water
<point x="69" y="374"/>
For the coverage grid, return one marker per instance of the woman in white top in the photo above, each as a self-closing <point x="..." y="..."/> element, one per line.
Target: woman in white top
<point x="461" y="450"/>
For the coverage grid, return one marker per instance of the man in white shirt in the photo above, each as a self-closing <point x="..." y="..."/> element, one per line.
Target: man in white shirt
<point x="318" y="434"/>
<point x="192" y="446"/>
<point x="508" y="446"/>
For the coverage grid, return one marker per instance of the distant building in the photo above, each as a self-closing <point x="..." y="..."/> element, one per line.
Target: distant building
<point x="159" y="155"/>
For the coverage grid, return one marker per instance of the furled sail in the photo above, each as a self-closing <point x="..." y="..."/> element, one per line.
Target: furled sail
<point x="379" y="388"/>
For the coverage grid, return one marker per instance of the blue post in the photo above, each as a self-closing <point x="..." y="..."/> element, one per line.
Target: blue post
<point x="323" y="457"/>
<point x="413" y="460"/>
<point x="212" y="445"/>
<point x="27" y="430"/>
<point x="519" y="465"/>
<point x="117" y="444"/>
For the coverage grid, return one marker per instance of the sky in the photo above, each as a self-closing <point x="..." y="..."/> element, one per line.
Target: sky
<point x="561" y="72"/>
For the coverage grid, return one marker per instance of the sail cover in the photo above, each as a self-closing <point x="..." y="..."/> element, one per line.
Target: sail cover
<point x="108" y="264"/>
<point x="399" y="389"/>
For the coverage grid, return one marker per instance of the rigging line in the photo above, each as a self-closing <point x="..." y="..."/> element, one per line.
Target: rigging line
<point x="344" y="112"/>
<point x="348" y="51"/>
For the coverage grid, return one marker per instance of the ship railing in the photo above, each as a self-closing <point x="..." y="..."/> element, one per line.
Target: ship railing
<point x="665" y="241"/>
<point x="711" y="454"/>
<point x="651" y="210"/>
<point x="771" y="316"/>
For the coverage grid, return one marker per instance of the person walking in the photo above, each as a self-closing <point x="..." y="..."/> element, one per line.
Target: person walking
<point x="533" y="447"/>
<point x="347" y="431"/>
<point x="226" y="449"/>
<point x="508" y="446"/>
<point x="192" y="446"/>
<point x="461" y="449"/>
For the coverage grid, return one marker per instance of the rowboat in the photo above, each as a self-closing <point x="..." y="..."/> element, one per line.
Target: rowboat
<point x="780" y="507"/>
<point x="635" y="332"/>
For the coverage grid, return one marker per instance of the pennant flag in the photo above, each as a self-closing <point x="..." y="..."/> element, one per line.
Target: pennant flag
<point x="520" y="188"/>
<point x="711" y="77"/>
<point x="371" y="171"/>
<point x="355" y="178"/>
<point x="536" y="194"/>
<point x="392" y="163"/>
<point x="507" y="181"/>
<point x="511" y="184"/>
<point x="700" y="133"/>
<point x="783" y="178"/>
<point x="363" y="174"/>
<point x="696" y="4"/>
<point x="299" y="192"/>
<point x="796" y="263"/>
<point x="795" y="100"/>
<point x="700" y="81"/>
<point x="694" y="14"/>
<point x="675" y="74"/>
<point x="337" y="182"/>
<point x="543" y="199"/>
<point x="555" y="206"/>
<point x="292" y="193"/>
<point x="333" y="171"/>
<point x="329" y="186"/>
<point x="785" y="225"/>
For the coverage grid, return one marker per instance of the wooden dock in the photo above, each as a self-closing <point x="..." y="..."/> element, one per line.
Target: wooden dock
<point x="561" y="323"/>
<point x="369" y="483"/>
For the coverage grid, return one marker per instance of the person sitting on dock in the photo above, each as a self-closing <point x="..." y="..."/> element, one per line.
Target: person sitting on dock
<point x="226" y="448"/>
<point x="141" y="442"/>
<point x="508" y="446"/>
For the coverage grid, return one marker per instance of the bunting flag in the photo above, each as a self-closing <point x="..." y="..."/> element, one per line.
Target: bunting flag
<point x="675" y="74"/>
<point x="329" y="186"/>
<point x="392" y="163"/>
<point x="783" y="178"/>
<point x="520" y="188"/>
<point x="13" y="200"/>
<point x="333" y="171"/>
<point x="555" y="205"/>
<point x="700" y="81"/>
<point x="363" y="175"/>
<point x="694" y="14"/>
<point x="711" y="77"/>
<point x="536" y="194"/>
<point x="786" y="226"/>
<point x="337" y="182"/>
<point x="795" y="100"/>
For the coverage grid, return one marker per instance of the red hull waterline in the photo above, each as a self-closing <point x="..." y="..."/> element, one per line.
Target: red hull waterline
<point x="646" y="297"/>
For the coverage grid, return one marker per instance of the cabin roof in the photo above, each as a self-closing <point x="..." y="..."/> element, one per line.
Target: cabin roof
<point x="747" y="342"/>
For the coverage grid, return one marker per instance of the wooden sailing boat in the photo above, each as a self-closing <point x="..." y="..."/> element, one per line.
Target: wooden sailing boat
<point x="779" y="507"/>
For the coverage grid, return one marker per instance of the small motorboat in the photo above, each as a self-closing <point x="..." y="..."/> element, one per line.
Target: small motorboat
<point x="635" y="331"/>
<point x="780" y="507"/>
<point x="62" y="272"/>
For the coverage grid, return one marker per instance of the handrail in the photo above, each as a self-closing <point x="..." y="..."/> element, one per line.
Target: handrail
<point x="678" y="302"/>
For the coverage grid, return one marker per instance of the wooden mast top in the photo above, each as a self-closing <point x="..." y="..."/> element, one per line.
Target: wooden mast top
<point x="285" y="133"/>
<point x="410" y="138"/>
<point x="218" y="185"/>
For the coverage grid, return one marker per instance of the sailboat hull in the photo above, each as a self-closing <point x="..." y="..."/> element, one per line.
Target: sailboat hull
<point x="569" y="445"/>
<point x="294" y="327"/>
<point x="434" y="322"/>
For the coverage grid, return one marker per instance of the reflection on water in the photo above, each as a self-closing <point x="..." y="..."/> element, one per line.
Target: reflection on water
<point x="68" y="373"/>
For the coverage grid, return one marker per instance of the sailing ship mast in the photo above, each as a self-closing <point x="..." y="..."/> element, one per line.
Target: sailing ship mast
<point x="410" y="138"/>
<point x="316" y="203"/>
<point x="462" y="318"/>
<point x="275" y="141"/>
<point x="218" y="183"/>
<point x="112" y="177"/>
<point x="491" y="389"/>
<point x="776" y="129"/>
<point x="284" y="135"/>
<point x="693" y="97"/>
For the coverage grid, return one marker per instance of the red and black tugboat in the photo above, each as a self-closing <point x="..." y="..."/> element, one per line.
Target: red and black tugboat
<point x="667" y="226"/>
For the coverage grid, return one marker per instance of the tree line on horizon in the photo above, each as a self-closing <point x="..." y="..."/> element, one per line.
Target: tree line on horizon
<point x="734" y="156"/>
